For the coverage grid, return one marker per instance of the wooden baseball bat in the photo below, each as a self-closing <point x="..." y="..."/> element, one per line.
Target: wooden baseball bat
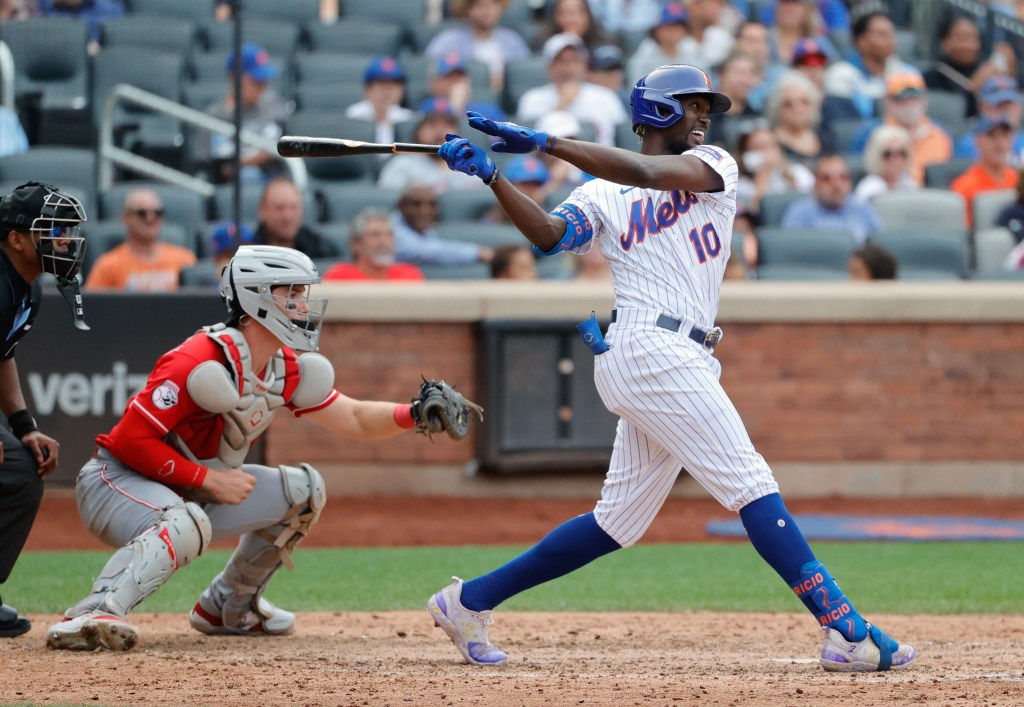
<point x="295" y="146"/>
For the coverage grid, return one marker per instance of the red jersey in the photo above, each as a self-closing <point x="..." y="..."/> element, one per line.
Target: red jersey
<point x="164" y="408"/>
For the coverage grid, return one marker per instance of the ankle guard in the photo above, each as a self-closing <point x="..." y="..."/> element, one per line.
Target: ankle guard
<point x="830" y="605"/>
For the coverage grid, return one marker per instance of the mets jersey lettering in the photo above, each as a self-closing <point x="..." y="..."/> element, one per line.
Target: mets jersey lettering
<point x="666" y="250"/>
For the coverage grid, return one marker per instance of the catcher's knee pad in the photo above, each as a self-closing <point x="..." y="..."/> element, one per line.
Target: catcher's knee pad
<point x="180" y="535"/>
<point x="306" y="493"/>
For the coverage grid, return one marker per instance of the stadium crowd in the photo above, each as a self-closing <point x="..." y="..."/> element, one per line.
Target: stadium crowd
<point x="857" y="124"/>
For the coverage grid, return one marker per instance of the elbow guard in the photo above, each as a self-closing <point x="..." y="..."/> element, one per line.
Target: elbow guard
<point x="578" y="229"/>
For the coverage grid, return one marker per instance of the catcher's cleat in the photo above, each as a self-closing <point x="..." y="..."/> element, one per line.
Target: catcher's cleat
<point x="11" y="623"/>
<point x="876" y="652"/>
<point x="92" y="631"/>
<point x="270" y="621"/>
<point x="467" y="629"/>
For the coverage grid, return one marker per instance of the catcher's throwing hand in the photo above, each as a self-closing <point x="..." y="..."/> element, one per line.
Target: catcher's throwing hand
<point x="513" y="138"/>
<point x="439" y="408"/>
<point x="463" y="156"/>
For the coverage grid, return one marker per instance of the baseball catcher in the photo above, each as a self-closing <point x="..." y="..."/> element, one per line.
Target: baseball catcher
<point x="171" y="477"/>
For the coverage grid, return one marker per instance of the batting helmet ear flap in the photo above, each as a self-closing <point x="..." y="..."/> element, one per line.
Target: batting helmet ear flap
<point x="654" y="100"/>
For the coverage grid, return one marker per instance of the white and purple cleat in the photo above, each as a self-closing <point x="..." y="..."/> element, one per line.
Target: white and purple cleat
<point x="467" y="629"/>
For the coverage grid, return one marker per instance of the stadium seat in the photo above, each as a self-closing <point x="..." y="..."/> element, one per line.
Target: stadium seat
<point x="181" y="206"/>
<point x="223" y="199"/>
<point x="198" y="11"/>
<point x="805" y="248"/>
<point x="520" y="76"/>
<point x="279" y="39"/>
<point x="202" y="94"/>
<point x="412" y="12"/>
<point x="421" y="34"/>
<point x="926" y="255"/>
<point x="297" y="12"/>
<point x="923" y="208"/>
<point x="773" y="206"/>
<point x="329" y="124"/>
<point x="338" y="234"/>
<point x="160" y="32"/>
<point x="941" y="175"/>
<point x="342" y="67"/>
<point x="485" y="234"/>
<point x="465" y="204"/>
<point x="341" y="202"/>
<point x="991" y="248"/>
<point x="49" y="58"/>
<point x="948" y="109"/>
<point x="327" y="96"/>
<point x="844" y="131"/>
<point x="356" y="36"/>
<point x="472" y="271"/>
<point x="799" y="273"/>
<point x="203" y="274"/>
<point x="160" y="73"/>
<point x="555" y="267"/>
<point x="989" y="204"/>
<point x="72" y="168"/>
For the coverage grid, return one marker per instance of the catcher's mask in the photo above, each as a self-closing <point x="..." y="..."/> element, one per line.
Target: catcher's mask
<point x="52" y="219"/>
<point x="247" y="285"/>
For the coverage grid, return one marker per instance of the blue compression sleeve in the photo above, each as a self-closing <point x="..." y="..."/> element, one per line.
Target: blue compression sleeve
<point x="776" y="537"/>
<point x="578" y="229"/>
<point x="565" y="549"/>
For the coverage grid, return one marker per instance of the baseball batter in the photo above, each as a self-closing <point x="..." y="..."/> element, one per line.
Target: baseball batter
<point x="169" y="478"/>
<point x="663" y="221"/>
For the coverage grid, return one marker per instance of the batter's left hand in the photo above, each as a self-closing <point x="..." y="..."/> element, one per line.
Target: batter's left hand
<point x="514" y="138"/>
<point x="463" y="156"/>
<point x="45" y="449"/>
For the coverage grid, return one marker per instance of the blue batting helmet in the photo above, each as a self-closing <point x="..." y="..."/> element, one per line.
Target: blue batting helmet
<point x="653" y="101"/>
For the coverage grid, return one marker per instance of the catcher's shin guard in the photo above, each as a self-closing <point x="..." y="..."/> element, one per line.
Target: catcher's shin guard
<point x="234" y="595"/>
<point x="138" y="569"/>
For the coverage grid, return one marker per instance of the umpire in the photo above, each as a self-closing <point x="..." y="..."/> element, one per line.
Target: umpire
<point x="39" y="233"/>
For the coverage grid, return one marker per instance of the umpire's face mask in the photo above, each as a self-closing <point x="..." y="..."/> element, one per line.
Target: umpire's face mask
<point x="57" y="236"/>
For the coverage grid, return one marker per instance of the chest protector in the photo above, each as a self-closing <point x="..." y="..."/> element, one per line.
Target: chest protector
<point x="245" y="402"/>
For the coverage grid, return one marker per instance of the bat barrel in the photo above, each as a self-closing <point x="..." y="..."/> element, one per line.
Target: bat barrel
<point x="299" y="146"/>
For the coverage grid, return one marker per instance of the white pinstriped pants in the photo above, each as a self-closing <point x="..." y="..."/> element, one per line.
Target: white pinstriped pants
<point x="674" y="414"/>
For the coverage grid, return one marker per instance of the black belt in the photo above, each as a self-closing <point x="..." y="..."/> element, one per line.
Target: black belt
<point x="707" y="339"/>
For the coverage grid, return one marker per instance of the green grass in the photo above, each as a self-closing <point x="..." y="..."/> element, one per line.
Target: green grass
<point x="939" y="578"/>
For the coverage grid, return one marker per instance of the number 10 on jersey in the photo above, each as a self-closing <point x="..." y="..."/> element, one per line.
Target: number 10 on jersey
<point x="707" y="243"/>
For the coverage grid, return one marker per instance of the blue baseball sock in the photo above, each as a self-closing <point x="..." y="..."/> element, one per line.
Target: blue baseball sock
<point x="777" y="539"/>
<point x="565" y="549"/>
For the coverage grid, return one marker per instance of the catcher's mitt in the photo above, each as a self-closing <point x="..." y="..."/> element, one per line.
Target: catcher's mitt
<point x="439" y="408"/>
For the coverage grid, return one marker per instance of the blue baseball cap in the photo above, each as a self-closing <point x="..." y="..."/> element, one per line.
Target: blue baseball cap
<point x="436" y="105"/>
<point x="384" y="68"/>
<point x="526" y="168"/>
<point x="674" y="13"/>
<point x="255" y="62"/>
<point x="226" y="237"/>
<point x="450" y="63"/>
<point x="1000" y="89"/>
<point x="986" y="125"/>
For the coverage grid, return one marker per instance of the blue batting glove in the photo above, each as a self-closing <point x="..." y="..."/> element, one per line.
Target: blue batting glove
<point x="514" y="138"/>
<point x="463" y="156"/>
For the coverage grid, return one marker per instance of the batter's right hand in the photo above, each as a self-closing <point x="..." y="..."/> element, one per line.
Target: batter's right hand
<point x="514" y="138"/>
<point x="230" y="487"/>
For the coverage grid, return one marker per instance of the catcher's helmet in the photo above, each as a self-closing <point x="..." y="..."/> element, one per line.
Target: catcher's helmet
<point x="246" y="286"/>
<point x="653" y="100"/>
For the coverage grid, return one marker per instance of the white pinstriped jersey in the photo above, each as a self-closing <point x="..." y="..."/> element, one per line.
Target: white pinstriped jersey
<point x="667" y="250"/>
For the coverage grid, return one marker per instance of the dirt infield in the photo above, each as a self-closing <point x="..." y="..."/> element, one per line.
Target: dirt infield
<point x="759" y="660"/>
<point x="399" y="658"/>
